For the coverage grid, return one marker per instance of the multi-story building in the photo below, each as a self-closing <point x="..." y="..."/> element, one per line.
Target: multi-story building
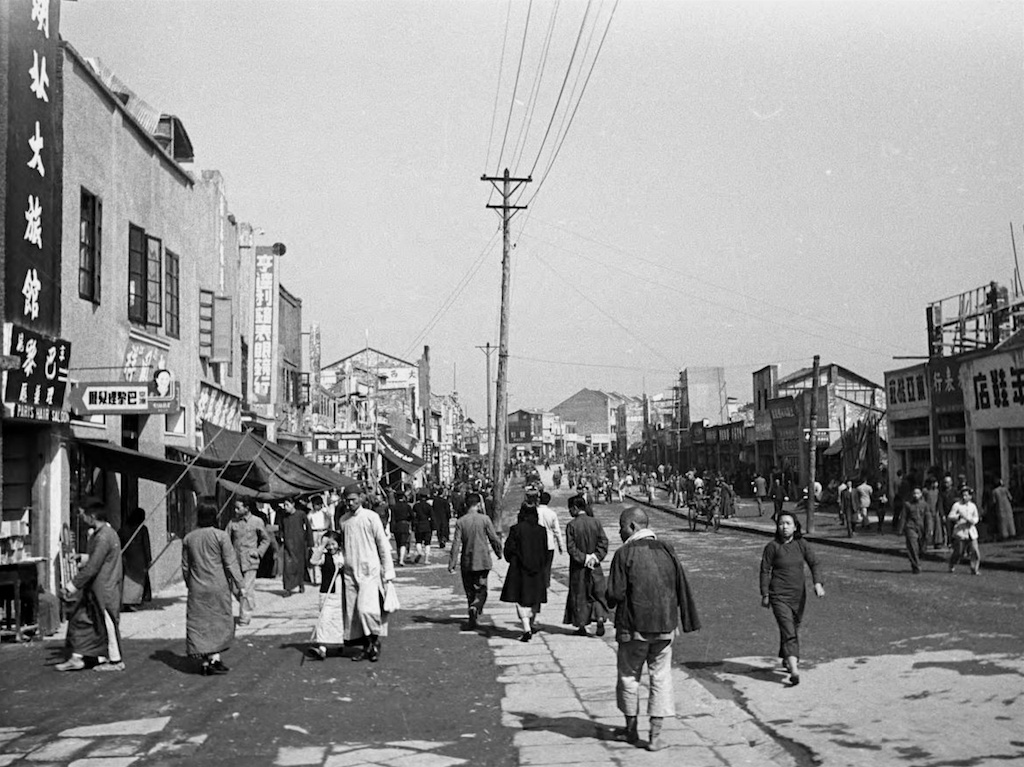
<point x="595" y="414"/>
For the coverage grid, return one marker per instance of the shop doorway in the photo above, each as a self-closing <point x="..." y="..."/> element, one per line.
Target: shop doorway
<point x="129" y="483"/>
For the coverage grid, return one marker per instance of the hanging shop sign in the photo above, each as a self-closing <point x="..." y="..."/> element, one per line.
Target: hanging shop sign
<point x="217" y="407"/>
<point x="947" y="395"/>
<point x="445" y="464"/>
<point x="34" y="389"/>
<point x="160" y="395"/>
<point x="265" y="301"/>
<point x="34" y="164"/>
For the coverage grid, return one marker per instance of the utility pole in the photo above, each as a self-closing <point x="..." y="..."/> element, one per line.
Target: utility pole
<point x="507" y="188"/>
<point x="487" y="349"/>
<point x="812" y="446"/>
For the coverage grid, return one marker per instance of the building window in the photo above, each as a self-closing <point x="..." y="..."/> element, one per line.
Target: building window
<point x="172" y="285"/>
<point x="174" y="423"/>
<point x="145" y="277"/>
<point x="90" y="242"/>
<point x="205" y="324"/>
<point x="180" y="512"/>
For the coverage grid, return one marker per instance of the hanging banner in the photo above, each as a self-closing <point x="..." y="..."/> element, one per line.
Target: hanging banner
<point x="34" y="389"/>
<point x="265" y="300"/>
<point x="34" y="165"/>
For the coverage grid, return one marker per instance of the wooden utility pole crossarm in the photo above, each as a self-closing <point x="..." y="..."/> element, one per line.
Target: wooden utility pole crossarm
<point x="508" y="187"/>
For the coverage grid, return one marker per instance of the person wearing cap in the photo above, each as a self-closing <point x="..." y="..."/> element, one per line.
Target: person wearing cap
<point x="250" y="540"/>
<point x="366" y="570"/>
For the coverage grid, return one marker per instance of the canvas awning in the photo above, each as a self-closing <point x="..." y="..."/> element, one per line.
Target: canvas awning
<point x="286" y="473"/>
<point x="404" y="459"/>
<point x="127" y="461"/>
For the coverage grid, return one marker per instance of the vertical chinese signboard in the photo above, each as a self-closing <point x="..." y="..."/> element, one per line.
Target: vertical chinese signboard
<point x="34" y="166"/>
<point x="264" y="320"/>
<point x="35" y="388"/>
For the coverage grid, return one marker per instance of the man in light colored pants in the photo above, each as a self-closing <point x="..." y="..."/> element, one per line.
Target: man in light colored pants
<point x="632" y="656"/>
<point x="250" y="540"/>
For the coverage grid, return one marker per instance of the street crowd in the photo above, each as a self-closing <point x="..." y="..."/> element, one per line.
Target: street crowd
<point x="342" y="545"/>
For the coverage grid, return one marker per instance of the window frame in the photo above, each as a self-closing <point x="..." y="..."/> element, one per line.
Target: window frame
<point x="172" y="294"/>
<point x="154" y="298"/>
<point x="90" y="246"/>
<point x="137" y="274"/>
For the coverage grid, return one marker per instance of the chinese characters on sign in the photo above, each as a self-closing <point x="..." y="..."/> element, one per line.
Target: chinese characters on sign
<point x="34" y="165"/>
<point x="157" y="396"/>
<point x="263" y="329"/>
<point x="998" y="388"/>
<point x="141" y="361"/>
<point x="35" y="388"/>
<point x="907" y="388"/>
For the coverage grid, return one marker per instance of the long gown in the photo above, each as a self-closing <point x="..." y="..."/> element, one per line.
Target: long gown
<point x="367" y="563"/>
<point x="295" y="538"/>
<point x="135" y="563"/>
<point x="207" y="559"/>
<point x="586" y="601"/>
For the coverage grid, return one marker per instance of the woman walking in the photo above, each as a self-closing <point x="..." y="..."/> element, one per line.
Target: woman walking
<point x="210" y="569"/>
<point x="526" y="551"/>
<point x="783" y="588"/>
<point x="293" y="529"/>
<point x="587" y="545"/>
<point x="964" y="516"/>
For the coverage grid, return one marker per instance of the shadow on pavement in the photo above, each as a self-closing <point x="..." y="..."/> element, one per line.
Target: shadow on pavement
<point x="567" y="726"/>
<point x="180" y="663"/>
<point x="758" y="673"/>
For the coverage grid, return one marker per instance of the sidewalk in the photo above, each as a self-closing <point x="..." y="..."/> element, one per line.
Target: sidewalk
<point x="995" y="555"/>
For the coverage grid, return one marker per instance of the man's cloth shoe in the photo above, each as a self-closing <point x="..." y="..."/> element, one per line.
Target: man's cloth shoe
<point x="71" y="664"/>
<point x="118" y="666"/>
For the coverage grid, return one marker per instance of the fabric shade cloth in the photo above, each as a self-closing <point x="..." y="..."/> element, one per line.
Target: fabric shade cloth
<point x="287" y="474"/>
<point x="125" y="460"/>
<point x="399" y="456"/>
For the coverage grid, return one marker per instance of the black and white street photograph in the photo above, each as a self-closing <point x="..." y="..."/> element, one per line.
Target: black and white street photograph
<point x="500" y="383"/>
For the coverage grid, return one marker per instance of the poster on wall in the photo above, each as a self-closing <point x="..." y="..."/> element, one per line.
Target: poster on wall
<point x="34" y="165"/>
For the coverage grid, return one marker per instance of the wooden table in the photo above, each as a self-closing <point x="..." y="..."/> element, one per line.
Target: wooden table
<point x="20" y="581"/>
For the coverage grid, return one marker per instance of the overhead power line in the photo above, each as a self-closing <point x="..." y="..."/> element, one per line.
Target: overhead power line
<point x="497" y="88"/>
<point x="515" y="86"/>
<point x="453" y="296"/>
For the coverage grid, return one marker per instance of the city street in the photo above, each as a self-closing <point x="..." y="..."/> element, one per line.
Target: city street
<point x="891" y="664"/>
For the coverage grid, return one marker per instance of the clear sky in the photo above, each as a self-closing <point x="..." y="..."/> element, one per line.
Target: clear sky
<point x="742" y="183"/>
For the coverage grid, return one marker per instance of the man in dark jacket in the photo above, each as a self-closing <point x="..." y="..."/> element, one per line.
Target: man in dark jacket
<point x="401" y="527"/>
<point x="441" y="515"/>
<point x="472" y="543"/>
<point x="648" y="588"/>
<point x="911" y="524"/>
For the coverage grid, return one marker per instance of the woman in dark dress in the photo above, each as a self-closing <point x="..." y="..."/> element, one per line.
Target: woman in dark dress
<point x="526" y="551"/>
<point x="136" y="557"/>
<point x="293" y="530"/>
<point x="586" y="544"/>
<point x="783" y="587"/>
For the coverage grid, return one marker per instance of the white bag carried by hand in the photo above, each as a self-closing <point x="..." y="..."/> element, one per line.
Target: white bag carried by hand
<point x="390" y="603"/>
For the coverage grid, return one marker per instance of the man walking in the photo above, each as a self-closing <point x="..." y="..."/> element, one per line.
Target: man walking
<point x="472" y="542"/>
<point x="760" y="487"/>
<point x="648" y="588"/>
<point x="250" y="540"/>
<point x="911" y="523"/>
<point x="368" y="567"/>
<point x="94" y="626"/>
<point x="441" y="516"/>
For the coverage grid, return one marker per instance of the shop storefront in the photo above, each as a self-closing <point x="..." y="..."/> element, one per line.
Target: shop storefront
<point x="786" y="432"/>
<point x="948" y="423"/>
<point x="993" y="385"/>
<point x="909" y="416"/>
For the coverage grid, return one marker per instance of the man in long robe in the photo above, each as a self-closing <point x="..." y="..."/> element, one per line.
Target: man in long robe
<point x="367" y="570"/>
<point x="94" y="626"/>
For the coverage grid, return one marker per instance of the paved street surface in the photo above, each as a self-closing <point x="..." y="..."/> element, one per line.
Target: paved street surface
<point x="899" y="669"/>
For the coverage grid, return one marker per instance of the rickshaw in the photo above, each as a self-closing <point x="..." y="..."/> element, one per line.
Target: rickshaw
<point x="704" y="509"/>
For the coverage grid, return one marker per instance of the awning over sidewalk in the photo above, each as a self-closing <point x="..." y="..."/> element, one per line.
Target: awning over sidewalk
<point x="125" y="460"/>
<point x="286" y="473"/>
<point x="404" y="459"/>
